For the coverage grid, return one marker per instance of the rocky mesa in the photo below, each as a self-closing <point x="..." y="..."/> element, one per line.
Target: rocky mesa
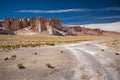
<point x="43" y="26"/>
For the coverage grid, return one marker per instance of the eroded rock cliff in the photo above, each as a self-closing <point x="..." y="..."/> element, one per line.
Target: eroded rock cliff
<point x="40" y="25"/>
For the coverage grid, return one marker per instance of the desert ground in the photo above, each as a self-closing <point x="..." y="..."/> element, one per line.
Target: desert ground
<point x="60" y="58"/>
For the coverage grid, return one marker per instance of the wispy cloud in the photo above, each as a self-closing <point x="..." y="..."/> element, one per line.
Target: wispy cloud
<point x="69" y="10"/>
<point x="110" y="9"/>
<point x="108" y="17"/>
<point x="73" y="17"/>
<point x="91" y="17"/>
<point x="53" y="11"/>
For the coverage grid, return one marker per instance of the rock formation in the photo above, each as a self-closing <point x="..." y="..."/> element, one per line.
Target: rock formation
<point x="35" y="24"/>
<point x="15" y="24"/>
<point x="40" y="25"/>
<point x="7" y="23"/>
<point x="84" y="31"/>
<point x="24" y="23"/>
<point x="74" y="28"/>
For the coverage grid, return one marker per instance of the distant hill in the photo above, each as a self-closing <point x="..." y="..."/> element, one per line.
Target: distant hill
<point x="114" y="26"/>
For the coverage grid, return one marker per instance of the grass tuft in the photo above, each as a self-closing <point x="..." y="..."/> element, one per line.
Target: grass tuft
<point x="102" y="50"/>
<point x="20" y="66"/>
<point x="61" y="51"/>
<point x="6" y="59"/>
<point x="117" y="54"/>
<point x="13" y="57"/>
<point x="49" y="66"/>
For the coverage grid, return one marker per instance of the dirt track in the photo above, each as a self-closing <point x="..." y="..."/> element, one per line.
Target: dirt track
<point x="95" y="61"/>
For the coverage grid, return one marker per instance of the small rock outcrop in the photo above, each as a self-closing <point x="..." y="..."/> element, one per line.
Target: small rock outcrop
<point x="85" y="31"/>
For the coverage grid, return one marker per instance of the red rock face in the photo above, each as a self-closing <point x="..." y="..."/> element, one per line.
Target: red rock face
<point x="33" y="23"/>
<point x="74" y="28"/>
<point x="57" y="22"/>
<point x="24" y="22"/>
<point x="15" y="23"/>
<point x="1" y="24"/>
<point x="38" y="24"/>
<point x="7" y="23"/>
<point x="84" y="31"/>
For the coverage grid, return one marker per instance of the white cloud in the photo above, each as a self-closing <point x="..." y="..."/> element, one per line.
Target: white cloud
<point x="69" y="10"/>
<point x="73" y="17"/>
<point x="108" y="17"/>
<point x="110" y="9"/>
<point x="53" y="11"/>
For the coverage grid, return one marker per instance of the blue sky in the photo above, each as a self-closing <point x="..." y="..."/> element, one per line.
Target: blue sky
<point x="72" y="12"/>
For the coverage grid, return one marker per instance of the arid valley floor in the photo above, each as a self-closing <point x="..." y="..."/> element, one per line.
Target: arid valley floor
<point x="59" y="58"/>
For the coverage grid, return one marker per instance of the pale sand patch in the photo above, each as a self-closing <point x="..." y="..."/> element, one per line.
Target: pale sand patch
<point x="35" y="65"/>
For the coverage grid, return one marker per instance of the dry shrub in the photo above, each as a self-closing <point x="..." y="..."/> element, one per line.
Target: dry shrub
<point x="116" y="53"/>
<point x="20" y="66"/>
<point x="61" y="51"/>
<point x="49" y="65"/>
<point x="6" y="59"/>
<point x="13" y="57"/>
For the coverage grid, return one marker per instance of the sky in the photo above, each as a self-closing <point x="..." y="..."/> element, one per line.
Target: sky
<point x="71" y="12"/>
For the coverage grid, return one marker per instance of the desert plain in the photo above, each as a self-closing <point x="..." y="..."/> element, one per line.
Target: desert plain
<point x="59" y="57"/>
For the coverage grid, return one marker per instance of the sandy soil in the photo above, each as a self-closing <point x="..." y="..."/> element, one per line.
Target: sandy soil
<point x="80" y="61"/>
<point x="35" y="65"/>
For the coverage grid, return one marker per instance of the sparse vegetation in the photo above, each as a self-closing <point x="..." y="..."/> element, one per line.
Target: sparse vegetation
<point x="13" y="57"/>
<point x="35" y="53"/>
<point x="61" y="51"/>
<point x="114" y="44"/>
<point x="116" y="53"/>
<point x="8" y="42"/>
<point x="49" y="66"/>
<point x="20" y="66"/>
<point x="6" y="59"/>
<point x="102" y="49"/>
